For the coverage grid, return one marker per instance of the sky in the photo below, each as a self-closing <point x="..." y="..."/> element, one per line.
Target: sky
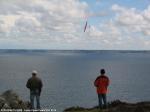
<point x="59" y="24"/>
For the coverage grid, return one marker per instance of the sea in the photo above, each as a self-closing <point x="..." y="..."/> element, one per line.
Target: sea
<point x="68" y="75"/>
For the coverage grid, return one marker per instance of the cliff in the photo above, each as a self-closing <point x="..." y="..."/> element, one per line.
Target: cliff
<point x="115" y="106"/>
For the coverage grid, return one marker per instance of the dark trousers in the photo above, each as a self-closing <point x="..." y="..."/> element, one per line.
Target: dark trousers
<point x="102" y="99"/>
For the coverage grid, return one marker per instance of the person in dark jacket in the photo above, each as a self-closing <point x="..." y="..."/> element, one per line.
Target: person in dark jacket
<point x="35" y="85"/>
<point x="101" y="83"/>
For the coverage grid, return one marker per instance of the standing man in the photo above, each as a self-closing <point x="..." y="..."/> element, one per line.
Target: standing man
<point x="101" y="83"/>
<point x="35" y="85"/>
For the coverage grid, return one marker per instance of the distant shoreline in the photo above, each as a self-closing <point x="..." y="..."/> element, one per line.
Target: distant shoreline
<point x="75" y="49"/>
<point x="69" y="51"/>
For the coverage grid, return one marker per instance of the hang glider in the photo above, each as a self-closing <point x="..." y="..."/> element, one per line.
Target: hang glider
<point x="85" y="26"/>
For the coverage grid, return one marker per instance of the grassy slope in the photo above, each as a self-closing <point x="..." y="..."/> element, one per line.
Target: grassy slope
<point x="80" y="109"/>
<point x="116" y="106"/>
<point x="94" y="110"/>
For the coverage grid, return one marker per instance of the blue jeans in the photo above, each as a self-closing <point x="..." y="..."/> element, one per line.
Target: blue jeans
<point x="102" y="98"/>
<point x="34" y="94"/>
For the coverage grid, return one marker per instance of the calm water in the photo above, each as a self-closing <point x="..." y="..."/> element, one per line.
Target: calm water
<point x="68" y="76"/>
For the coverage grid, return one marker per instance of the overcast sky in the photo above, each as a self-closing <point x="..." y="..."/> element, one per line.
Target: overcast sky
<point x="59" y="24"/>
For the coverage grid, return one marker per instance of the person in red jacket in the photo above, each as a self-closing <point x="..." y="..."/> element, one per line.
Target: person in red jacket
<point x="102" y="83"/>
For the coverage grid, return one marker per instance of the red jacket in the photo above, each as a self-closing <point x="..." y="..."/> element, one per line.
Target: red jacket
<point x="101" y="83"/>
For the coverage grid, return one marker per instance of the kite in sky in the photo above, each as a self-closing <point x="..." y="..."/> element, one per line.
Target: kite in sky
<point x="85" y="26"/>
<point x="90" y="16"/>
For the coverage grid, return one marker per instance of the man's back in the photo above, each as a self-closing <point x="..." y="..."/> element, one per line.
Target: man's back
<point x="34" y="83"/>
<point x="102" y="83"/>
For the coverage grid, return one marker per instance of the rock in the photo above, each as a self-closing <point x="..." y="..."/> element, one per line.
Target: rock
<point x="14" y="104"/>
<point x="2" y="102"/>
<point x="10" y="96"/>
<point x="11" y="100"/>
<point x="26" y="104"/>
<point x="6" y="106"/>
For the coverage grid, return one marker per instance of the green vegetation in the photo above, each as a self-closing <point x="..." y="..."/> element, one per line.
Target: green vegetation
<point x="80" y="109"/>
<point x="116" y="106"/>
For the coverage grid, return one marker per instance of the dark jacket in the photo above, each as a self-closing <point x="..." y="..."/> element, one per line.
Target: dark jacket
<point x="34" y="83"/>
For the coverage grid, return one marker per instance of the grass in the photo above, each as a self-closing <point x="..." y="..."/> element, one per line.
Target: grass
<point x="80" y="109"/>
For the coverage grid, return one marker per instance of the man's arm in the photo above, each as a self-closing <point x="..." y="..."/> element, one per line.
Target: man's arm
<point x="108" y="81"/>
<point x="40" y="83"/>
<point x="40" y="88"/>
<point x="28" y="84"/>
<point x="96" y="82"/>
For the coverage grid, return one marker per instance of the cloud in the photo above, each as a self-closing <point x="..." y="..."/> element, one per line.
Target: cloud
<point x="53" y="14"/>
<point x="133" y="26"/>
<point x="7" y="22"/>
<point x="59" y="24"/>
<point x="132" y="19"/>
<point x="41" y="20"/>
